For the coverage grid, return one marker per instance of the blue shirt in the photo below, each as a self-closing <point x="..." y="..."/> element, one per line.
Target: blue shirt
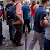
<point x="2" y="8"/>
<point x="47" y="30"/>
<point x="26" y="11"/>
<point x="39" y="15"/>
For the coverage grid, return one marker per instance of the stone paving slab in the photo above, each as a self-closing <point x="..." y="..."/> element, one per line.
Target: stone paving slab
<point x="8" y="44"/>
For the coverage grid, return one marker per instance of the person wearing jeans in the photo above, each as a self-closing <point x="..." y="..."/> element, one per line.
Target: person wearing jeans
<point x="11" y="29"/>
<point x="31" y="22"/>
<point x="9" y="20"/>
<point x="32" y="15"/>
<point x="47" y="35"/>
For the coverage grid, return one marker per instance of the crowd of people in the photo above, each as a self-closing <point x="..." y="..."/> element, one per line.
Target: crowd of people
<point x="18" y="15"/>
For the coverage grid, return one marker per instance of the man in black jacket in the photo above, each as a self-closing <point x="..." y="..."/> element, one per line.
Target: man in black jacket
<point x="9" y="21"/>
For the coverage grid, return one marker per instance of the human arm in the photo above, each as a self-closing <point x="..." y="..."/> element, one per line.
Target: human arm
<point x="19" y="14"/>
<point x="44" y="20"/>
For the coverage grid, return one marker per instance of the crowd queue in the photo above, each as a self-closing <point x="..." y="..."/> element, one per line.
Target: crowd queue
<point x="18" y="15"/>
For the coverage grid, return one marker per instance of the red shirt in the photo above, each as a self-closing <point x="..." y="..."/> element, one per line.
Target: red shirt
<point x="32" y="11"/>
<point x="0" y="13"/>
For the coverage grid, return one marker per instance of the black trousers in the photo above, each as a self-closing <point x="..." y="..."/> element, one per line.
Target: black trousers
<point x="46" y="44"/>
<point x="18" y="35"/>
<point x="3" y="16"/>
<point x="1" y="36"/>
<point x="26" y="22"/>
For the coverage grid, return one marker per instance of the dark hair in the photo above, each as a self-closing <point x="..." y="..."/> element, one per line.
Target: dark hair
<point x="13" y="0"/>
<point x="44" y="1"/>
<point x="38" y="2"/>
<point x="33" y="3"/>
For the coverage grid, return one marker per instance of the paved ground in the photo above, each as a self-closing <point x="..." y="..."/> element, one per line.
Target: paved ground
<point x="8" y="44"/>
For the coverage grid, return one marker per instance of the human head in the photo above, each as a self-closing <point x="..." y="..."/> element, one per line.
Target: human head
<point x="33" y="3"/>
<point x="45" y="2"/>
<point x="27" y="2"/>
<point x="37" y="2"/>
<point x="12" y="1"/>
<point x="19" y="0"/>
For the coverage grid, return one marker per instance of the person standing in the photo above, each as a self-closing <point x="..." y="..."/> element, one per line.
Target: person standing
<point x="9" y="20"/>
<point x="39" y="25"/>
<point x="36" y="5"/>
<point x="1" y="37"/>
<point x="26" y="16"/>
<point x="47" y="35"/>
<point x="47" y="32"/>
<point x="18" y="24"/>
<point x="32" y="13"/>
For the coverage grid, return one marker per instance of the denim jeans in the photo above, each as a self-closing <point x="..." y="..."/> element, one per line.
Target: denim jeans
<point x="11" y="29"/>
<point x="46" y="44"/>
<point x="31" y="23"/>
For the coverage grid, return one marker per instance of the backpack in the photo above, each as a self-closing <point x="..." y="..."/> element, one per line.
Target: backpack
<point x="11" y="12"/>
<point x="0" y="13"/>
